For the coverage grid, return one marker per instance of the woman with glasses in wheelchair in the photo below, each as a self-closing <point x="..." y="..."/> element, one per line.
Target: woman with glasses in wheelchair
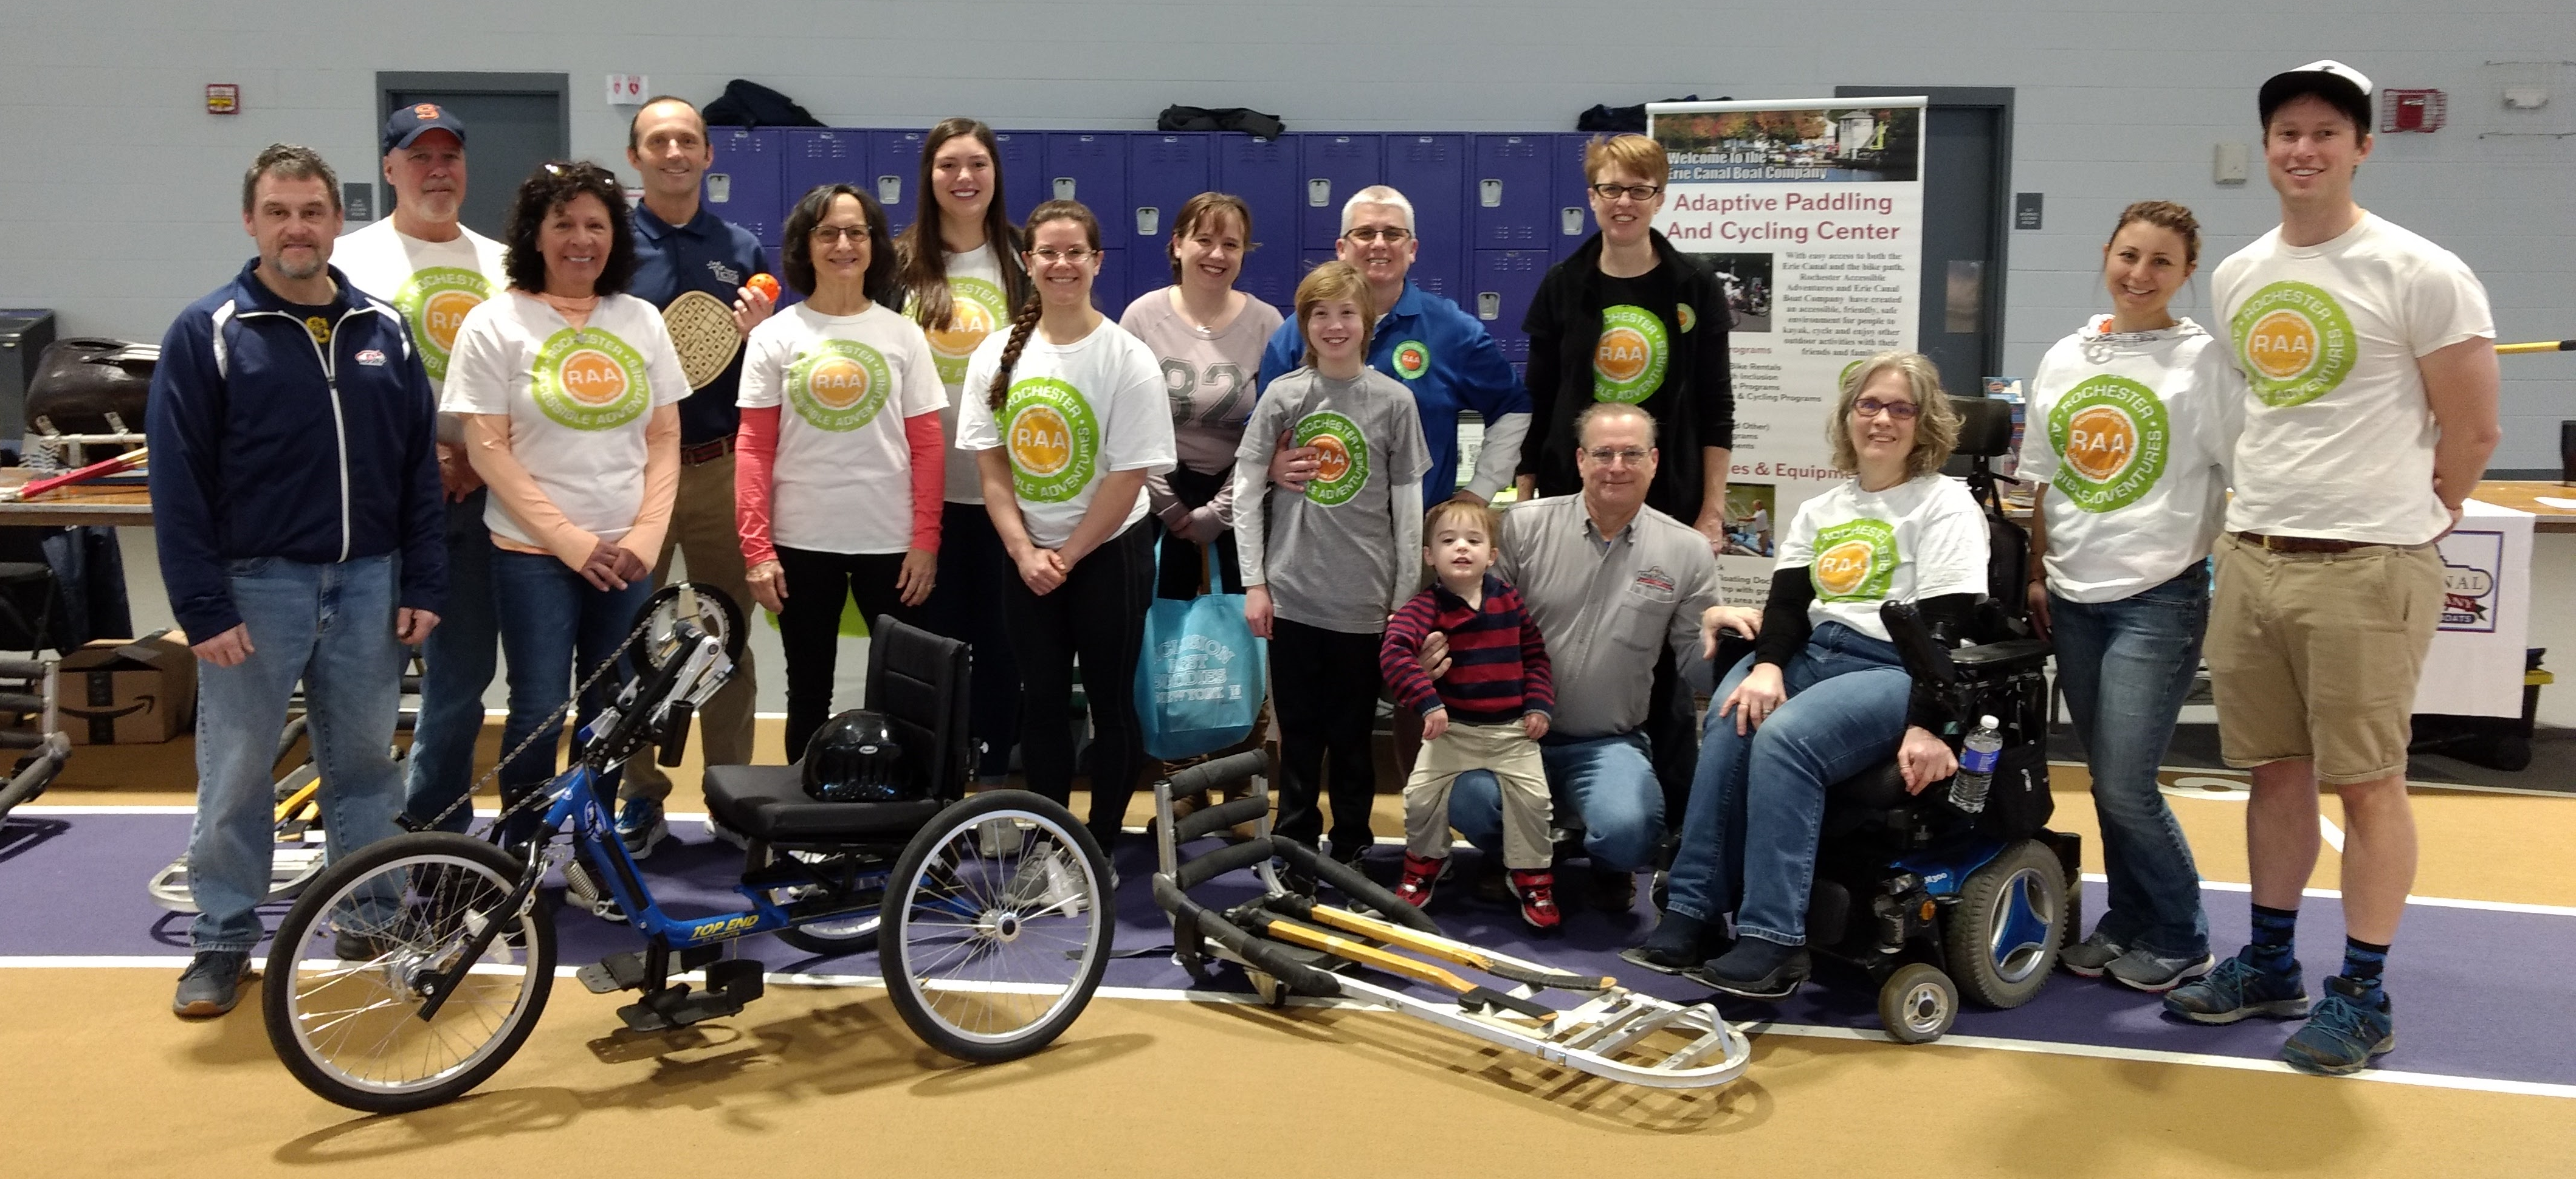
<point x="1825" y="694"/>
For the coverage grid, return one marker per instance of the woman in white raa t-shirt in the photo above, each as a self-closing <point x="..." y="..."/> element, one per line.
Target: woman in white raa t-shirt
<point x="960" y="269"/>
<point x="1068" y="418"/>
<point x="837" y="493"/>
<point x="1825" y="694"/>
<point x="568" y="389"/>
<point x="2132" y="421"/>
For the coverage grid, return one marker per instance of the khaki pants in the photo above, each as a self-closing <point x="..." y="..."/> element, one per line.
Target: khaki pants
<point x="703" y="530"/>
<point x="2315" y="655"/>
<point x="1507" y="751"/>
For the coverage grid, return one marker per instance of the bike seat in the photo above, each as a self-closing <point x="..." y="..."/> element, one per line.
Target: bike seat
<point x="769" y="803"/>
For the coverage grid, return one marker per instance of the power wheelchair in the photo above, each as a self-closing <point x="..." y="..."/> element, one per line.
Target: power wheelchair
<point x="411" y="970"/>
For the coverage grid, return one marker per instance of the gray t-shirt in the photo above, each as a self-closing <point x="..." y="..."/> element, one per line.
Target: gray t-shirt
<point x="1605" y="604"/>
<point x="1347" y="552"/>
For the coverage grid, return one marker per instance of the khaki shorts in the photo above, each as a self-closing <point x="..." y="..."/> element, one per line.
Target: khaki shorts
<point x="2315" y="655"/>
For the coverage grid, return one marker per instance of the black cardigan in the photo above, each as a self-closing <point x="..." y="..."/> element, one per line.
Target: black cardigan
<point x="1564" y="327"/>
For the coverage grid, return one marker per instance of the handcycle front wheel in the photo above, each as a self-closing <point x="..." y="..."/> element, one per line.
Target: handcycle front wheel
<point x="403" y="911"/>
<point x="997" y="926"/>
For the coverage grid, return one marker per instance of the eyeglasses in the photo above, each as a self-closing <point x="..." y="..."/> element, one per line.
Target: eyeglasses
<point x="1605" y="456"/>
<point x="1870" y="407"/>
<point x="834" y="233"/>
<point x="1051" y="255"/>
<point x="1370" y="233"/>
<point x="1634" y="192"/>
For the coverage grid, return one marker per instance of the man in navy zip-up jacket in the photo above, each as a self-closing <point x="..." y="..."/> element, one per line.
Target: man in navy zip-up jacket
<point x="296" y="507"/>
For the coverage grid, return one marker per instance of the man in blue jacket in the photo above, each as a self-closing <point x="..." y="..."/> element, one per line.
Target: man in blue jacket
<point x="296" y="505"/>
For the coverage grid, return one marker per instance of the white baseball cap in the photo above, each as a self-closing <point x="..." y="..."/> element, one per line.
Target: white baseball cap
<point x="2346" y="88"/>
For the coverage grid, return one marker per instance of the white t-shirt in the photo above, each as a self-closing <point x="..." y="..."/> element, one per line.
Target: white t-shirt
<point x="842" y="479"/>
<point x="979" y="306"/>
<point x="578" y="400"/>
<point x="2338" y="438"/>
<point x="1920" y="539"/>
<point x="2132" y="432"/>
<point x="1076" y="412"/>
<point x="434" y="285"/>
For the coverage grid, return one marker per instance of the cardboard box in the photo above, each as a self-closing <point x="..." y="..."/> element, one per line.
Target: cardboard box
<point x="129" y="691"/>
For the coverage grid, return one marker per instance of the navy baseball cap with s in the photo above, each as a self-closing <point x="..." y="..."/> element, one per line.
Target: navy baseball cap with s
<point x="410" y="122"/>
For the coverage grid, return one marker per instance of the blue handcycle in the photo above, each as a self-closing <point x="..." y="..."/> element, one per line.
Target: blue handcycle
<point x="412" y="969"/>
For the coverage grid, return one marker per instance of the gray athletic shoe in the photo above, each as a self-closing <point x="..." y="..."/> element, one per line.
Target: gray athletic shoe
<point x="2143" y="969"/>
<point x="211" y="984"/>
<point x="2089" y="958"/>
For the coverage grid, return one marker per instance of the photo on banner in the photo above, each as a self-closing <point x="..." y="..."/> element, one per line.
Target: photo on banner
<point x="1811" y="213"/>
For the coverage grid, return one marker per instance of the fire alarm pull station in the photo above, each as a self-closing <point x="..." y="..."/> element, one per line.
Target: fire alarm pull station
<point x="2412" y="110"/>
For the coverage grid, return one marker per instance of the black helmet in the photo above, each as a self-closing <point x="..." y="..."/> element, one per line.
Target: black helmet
<point x="855" y="757"/>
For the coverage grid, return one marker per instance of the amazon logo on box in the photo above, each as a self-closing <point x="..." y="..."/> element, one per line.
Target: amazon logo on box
<point x="128" y="692"/>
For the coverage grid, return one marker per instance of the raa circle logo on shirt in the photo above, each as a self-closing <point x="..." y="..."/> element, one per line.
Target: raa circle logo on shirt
<point x="2113" y="435"/>
<point x="2295" y="342"/>
<point x="1628" y="363"/>
<point x="1412" y="358"/>
<point x="1344" y="466"/>
<point x="1053" y="440"/>
<point x="975" y="309"/>
<point x="435" y="300"/>
<point x="1685" y="315"/>
<point x="589" y="380"/>
<point x="839" y="386"/>
<point x="1855" y="561"/>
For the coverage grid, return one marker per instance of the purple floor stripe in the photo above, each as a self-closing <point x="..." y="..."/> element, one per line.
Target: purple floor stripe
<point x="2479" y="993"/>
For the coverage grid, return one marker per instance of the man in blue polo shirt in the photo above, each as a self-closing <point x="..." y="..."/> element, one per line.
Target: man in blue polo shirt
<point x="681" y="247"/>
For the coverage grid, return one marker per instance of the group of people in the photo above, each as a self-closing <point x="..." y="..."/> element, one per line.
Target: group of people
<point x="943" y="426"/>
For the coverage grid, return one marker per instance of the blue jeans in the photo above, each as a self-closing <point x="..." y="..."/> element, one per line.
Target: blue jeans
<point x="1608" y="781"/>
<point x="548" y="616"/>
<point x="458" y="661"/>
<point x="2125" y="667"/>
<point x="332" y="627"/>
<point x="1758" y="801"/>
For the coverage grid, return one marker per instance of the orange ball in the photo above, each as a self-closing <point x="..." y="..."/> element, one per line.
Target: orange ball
<point x="765" y="285"/>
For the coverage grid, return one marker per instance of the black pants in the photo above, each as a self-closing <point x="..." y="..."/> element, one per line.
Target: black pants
<point x="967" y="606"/>
<point x="1323" y="686"/>
<point x="1181" y="559"/>
<point x="1672" y="736"/>
<point x="1098" y="617"/>
<point x="810" y="626"/>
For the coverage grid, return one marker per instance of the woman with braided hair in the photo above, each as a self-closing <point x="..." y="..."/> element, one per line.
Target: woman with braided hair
<point x="1067" y="417"/>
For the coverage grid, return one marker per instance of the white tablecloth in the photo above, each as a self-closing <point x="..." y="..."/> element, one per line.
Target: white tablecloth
<point x="2476" y="665"/>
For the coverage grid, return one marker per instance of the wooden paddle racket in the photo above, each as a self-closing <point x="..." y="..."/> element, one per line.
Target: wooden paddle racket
<point x="702" y="332"/>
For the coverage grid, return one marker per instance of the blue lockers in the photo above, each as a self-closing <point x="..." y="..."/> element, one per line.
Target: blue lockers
<point x="816" y="157"/>
<point x="1573" y="220"/>
<point x="1505" y="280"/>
<point x="1512" y="198"/>
<point x="1264" y="173"/>
<point x="1091" y="167"/>
<point x="894" y="165"/>
<point x="1164" y="170"/>
<point x="1023" y="165"/>
<point x="1332" y="167"/>
<point x="1431" y="172"/>
<point x="743" y="185"/>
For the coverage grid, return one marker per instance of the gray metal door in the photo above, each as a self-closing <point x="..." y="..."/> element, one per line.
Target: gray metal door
<point x="1967" y="175"/>
<point x="513" y="122"/>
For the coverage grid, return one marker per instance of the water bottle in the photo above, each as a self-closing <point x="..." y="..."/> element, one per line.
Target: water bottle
<point x="1977" y="766"/>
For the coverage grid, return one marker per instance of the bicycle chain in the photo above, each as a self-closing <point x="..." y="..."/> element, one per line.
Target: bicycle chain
<point x="551" y="726"/>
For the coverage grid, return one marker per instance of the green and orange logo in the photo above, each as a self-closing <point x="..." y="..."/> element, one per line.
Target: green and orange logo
<point x="1343" y="467"/>
<point x="1052" y="438"/>
<point x="839" y="386"/>
<point x="2113" y="436"/>
<point x="975" y="309"/>
<point x="2294" y="342"/>
<point x="589" y="380"/>
<point x="436" y="299"/>
<point x="1628" y="362"/>
<point x="1412" y="358"/>
<point x="1855" y="561"/>
<point x="1686" y="316"/>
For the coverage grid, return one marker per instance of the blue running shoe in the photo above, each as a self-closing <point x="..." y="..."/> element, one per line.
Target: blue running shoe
<point x="2344" y="1033"/>
<point x="2237" y="989"/>
<point x="640" y="826"/>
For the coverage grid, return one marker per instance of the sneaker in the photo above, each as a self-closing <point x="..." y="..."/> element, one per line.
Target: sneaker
<point x="212" y="983"/>
<point x="1613" y="892"/>
<point x="2090" y="957"/>
<point x="1355" y="858"/>
<point x="351" y="946"/>
<point x="1755" y="969"/>
<point x="1045" y="882"/>
<point x="1678" y="943"/>
<point x="717" y="830"/>
<point x="2143" y="969"/>
<point x="640" y="826"/>
<point x="1536" y="891"/>
<point x="2344" y="1033"/>
<point x="583" y="890"/>
<point x="1420" y="876"/>
<point x="2237" y="989"/>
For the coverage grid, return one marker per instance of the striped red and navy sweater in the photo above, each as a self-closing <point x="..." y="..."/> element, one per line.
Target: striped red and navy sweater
<point x="1497" y="663"/>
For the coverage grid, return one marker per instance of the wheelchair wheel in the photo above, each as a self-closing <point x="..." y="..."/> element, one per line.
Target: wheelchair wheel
<point x="990" y="953"/>
<point x="350" y="1029"/>
<point x="1918" y="1003"/>
<point x="2003" y="934"/>
<point x="829" y="938"/>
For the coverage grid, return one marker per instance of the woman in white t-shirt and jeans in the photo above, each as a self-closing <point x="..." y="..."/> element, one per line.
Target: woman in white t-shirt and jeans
<point x="568" y="390"/>
<point x="1824" y="695"/>
<point x="837" y="493"/>
<point x="2132" y="422"/>
<point x="960" y="270"/>
<point x="1209" y="338"/>
<point x="1067" y="416"/>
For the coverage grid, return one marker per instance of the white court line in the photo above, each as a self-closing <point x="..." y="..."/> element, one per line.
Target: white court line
<point x="2333" y="834"/>
<point x="2411" y="784"/>
<point x="1991" y="1043"/>
<point x="2335" y="894"/>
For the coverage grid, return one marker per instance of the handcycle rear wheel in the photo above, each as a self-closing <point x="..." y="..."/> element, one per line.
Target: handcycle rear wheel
<point x="350" y="1030"/>
<point x="997" y="926"/>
